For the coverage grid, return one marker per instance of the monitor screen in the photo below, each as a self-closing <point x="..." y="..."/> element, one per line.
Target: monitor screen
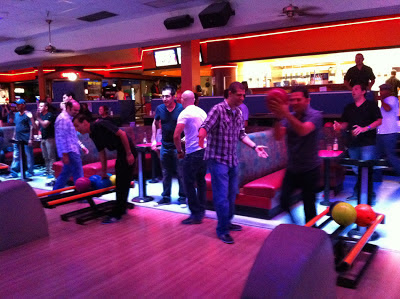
<point x="165" y="57"/>
<point x="178" y="52"/>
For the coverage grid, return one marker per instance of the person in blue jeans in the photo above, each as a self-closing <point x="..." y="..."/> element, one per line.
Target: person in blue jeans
<point x="360" y="121"/>
<point x="68" y="145"/>
<point x="194" y="167"/>
<point x="23" y="132"/>
<point x="166" y="115"/>
<point x="388" y="132"/>
<point x="224" y="127"/>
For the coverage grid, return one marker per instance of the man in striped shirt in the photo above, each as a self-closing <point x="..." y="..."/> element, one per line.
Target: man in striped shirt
<point x="68" y="145"/>
<point x="224" y="127"/>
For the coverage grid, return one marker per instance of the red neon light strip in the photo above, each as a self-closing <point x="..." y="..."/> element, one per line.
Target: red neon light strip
<point x="113" y="69"/>
<point x="24" y="73"/>
<point x="298" y="30"/>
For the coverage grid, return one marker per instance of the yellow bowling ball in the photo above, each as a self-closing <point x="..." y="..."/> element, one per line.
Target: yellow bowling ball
<point x="344" y="213"/>
<point x="113" y="179"/>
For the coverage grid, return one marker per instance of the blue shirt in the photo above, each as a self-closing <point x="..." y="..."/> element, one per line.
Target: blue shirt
<point x="22" y="126"/>
<point x="168" y="123"/>
<point x="303" y="150"/>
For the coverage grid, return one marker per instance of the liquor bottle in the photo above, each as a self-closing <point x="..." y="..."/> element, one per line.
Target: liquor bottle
<point x="335" y="144"/>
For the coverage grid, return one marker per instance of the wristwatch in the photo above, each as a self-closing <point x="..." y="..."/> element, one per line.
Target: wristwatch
<point x="254" y="147"/>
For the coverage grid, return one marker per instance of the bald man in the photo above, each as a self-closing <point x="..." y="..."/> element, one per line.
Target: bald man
<point x="194" y="167"/>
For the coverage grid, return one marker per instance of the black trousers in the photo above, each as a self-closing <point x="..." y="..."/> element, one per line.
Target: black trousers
<point x="307" y="182"/>
<point x="124" y="173"/>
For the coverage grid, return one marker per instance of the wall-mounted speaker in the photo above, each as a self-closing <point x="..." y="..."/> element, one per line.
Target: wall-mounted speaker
<point x="216" y="15"/>
<point x="178" y="22"/>
<point x="24" y="50"/>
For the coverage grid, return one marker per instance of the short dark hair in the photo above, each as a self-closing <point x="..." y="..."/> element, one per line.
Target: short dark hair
<point x="168" y="87"/>
<point x="81" y="117"/>
<point x="393" y="73"/>
<point x="363" y="86"/>
<point x="71" y="94"/>
<point x="235" y="86"/>
<point x="46" y="104"/>
<point x="300" y="88"/>
<point x="226" y="93"/>
<point x="105" y="108"/>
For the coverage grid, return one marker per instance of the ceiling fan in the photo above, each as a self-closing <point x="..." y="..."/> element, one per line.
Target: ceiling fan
<point x="291" y="11"/>
<point x="50" y="48"/>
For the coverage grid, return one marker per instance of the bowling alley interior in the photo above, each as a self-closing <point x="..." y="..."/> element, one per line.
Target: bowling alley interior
<point x="114" y="58"/>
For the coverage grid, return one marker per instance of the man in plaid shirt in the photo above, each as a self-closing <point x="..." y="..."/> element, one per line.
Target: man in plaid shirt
<point x="68" y="145"/>
<point x="224" y="127"/>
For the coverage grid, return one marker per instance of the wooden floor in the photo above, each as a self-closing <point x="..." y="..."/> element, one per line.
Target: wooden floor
<point x="151" y="255"/>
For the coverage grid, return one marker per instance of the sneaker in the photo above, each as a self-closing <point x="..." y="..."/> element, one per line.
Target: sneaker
<point x="191" y="220"/>
<point x="352" y="197"/>
<point x="51" y="183"/>
<point x="182" y="202"/>
<point x="50" y="176"/>
<point x="226" y="239"/>
<point x="29" y="174"/>
<point x="235" y="227"/>
<point x="164" y="201"/>
<point x="109" y="220"/>
<point x="12" y="176"/>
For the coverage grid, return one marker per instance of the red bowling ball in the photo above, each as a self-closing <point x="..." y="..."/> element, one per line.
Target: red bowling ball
<point x="276" y="95"/>
<point x="83" y="185"/>
<point x="365" y="215"/>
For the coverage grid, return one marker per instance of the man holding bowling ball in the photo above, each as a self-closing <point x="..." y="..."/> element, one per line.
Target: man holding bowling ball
<point x="302" y="127"/>
<point x="106" y="135"/>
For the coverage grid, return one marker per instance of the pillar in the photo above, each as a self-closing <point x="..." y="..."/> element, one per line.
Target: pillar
<point x="42" y="83"/>
<point x="190" y="65"/>
<point x="11" y="92"/>
<point x="222" y="77"/>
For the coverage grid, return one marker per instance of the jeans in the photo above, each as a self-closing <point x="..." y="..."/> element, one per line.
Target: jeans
<point x="48" y="147"/>
<point x="194" y="171"/>
<point x="224" y="182"/>
<point x="305" y="181"/>
<point x="386" y="146"/>
<point x="169" y="165"/>
<point x="361" y="153"/>
<point x="73" y="168"/>
<point x="15" y="165"/>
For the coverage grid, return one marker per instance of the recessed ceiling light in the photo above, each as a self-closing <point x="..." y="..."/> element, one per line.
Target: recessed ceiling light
<point x="152" y="72"/>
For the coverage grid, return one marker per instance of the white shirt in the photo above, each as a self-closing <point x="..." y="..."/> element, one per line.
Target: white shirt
<point x="192" y="117"/>
<point x="390" y="118"/>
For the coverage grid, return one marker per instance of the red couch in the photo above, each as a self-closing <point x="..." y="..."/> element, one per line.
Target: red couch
<point x="91" y="162"/>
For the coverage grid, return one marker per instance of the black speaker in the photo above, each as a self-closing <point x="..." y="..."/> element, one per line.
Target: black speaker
<point x="178" y="22"/>
<point x="216" y="15"/>
<point x="24" y="50"/>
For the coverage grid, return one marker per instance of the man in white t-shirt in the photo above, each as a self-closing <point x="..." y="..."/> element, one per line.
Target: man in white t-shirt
<point x="386" y="139"/>
<point x="194" y="167"/>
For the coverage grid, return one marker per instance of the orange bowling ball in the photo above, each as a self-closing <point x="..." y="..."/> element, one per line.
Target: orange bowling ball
<point x="365" y="215"/>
